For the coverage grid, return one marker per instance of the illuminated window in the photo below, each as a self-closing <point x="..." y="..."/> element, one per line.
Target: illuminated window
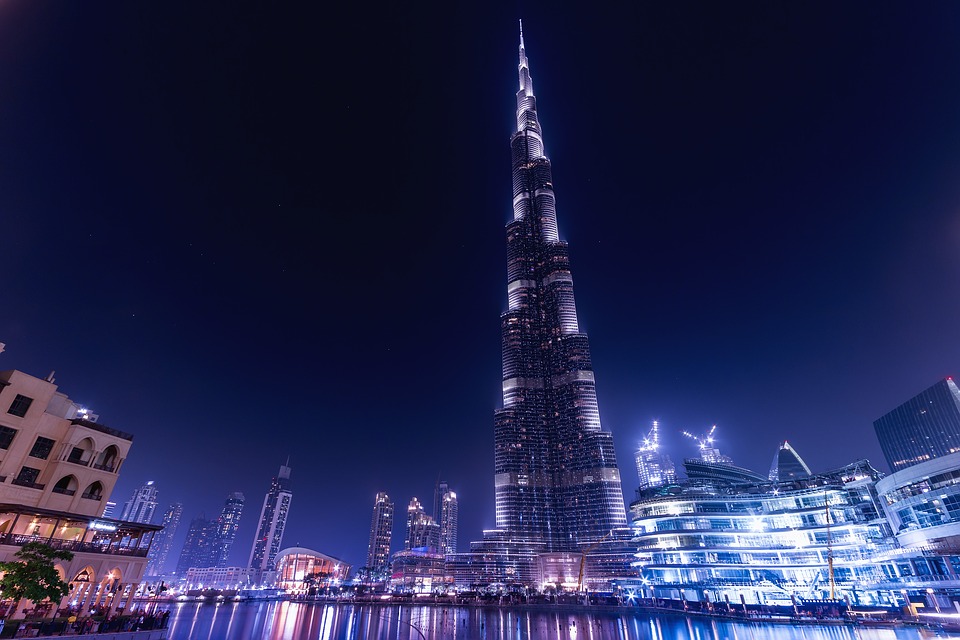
<point x="20" y="405"/>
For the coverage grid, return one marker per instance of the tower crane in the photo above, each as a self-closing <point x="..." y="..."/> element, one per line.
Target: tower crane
<point x="583" y="558"/>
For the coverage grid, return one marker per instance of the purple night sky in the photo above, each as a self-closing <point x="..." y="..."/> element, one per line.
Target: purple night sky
<point x="249" y="231"/>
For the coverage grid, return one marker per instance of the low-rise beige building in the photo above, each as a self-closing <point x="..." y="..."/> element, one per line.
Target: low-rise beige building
<point x="57" y="469"/>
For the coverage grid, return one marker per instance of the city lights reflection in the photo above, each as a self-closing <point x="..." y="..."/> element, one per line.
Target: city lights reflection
<point x="290" y="620"/>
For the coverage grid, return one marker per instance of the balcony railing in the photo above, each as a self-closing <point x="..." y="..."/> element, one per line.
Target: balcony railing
<point x="104" y="467"/>
<point x="91" y="496"/>
<point x="72" y="545"/>
<point x="78" y="460"/>
<point x="66" y="492"/>
<point x="27" y="483"/>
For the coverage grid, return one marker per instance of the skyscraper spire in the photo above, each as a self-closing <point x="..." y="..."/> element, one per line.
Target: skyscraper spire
<point x="556" y="479"/>
<point x="526" y="82"/>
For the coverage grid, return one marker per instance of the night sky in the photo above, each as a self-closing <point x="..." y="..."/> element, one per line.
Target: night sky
<point x="247" y="231"/>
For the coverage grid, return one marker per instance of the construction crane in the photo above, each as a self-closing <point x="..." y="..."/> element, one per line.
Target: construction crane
<point x="708" y="452"/>
<point x="583" y="558"/>
<point x="703" y="440"/>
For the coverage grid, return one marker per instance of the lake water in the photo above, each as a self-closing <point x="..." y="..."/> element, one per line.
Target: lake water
<point x="295" y="621"/>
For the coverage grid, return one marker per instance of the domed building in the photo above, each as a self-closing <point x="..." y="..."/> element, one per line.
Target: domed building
<point x="299" y="569"/>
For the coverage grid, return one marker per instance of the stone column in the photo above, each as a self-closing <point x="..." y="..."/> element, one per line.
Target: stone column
<point x="101" y="592"/>
<point x="87" y="597"/>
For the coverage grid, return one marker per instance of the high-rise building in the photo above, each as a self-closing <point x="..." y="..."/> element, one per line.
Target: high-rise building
<point x="557" y="481"/>
<point x="140" y="507"/>
<point x="422" y="531"/>
<point x="557" y="485"/>
<point x="381" y="531"/>
<point x="654" y="468"/>
<point x="442" y="487"/>
<point x="109" y="509"/>
<point x="926" y="426"/>
<point x="448" y="517"/>
<point x="163" y="542"/>
<point x="788" y="465"/>
<point x="198" y="547"/>
<point x="227" y="525"/>
<point x="273" y="519"/>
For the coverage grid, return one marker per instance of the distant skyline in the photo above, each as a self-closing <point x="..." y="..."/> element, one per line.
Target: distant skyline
<point x="241" y="236"/>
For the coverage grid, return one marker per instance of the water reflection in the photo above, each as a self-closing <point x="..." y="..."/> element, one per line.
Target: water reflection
<point x="295" y="621"/>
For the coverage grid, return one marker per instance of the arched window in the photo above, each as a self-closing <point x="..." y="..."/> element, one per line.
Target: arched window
<point x="93" y="492"/>
<point x="82" y="452"/>
<point x="67" y="485"/>
<point x="108" y="459"/>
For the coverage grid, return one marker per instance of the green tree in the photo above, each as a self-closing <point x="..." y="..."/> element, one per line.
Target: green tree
<point x="33" y="575"/>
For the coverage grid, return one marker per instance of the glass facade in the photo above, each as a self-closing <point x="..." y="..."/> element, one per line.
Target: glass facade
<point x="788" y="465"/>
<point x="300" y="569"/>
<point x="381" y="530"/>
<point x="557" y="484"/>
<point x="273" y="520"/>
<point x="226" y="528"/>
<point x="557" y="480"/>
<point x="160" y="551"/>
<point x="925" y="427"/>
<point x="923" y="502"/>
<point x="654" y="468"/>
<point x="768" y="542"/>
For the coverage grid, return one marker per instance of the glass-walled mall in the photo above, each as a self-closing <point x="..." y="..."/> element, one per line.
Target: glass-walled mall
<point x="813" y="537"/>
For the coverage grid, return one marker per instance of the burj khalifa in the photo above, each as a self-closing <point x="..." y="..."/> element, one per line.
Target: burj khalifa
<point x="556" y="478"/>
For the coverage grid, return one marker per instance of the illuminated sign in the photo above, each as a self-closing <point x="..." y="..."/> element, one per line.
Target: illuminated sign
<point x="102" y="526"/>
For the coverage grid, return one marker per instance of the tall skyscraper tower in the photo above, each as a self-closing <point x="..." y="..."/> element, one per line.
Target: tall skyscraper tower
<point x="198" y="547"/>
<point x="422" y="531"/>
<point x="924" y="427"/>
<point x="788" y="465"/>
<point x="381" y="530"/>
<point x="438" y="491"/>
<point x="226" y="528"/>
<point x="273" y="519"/>
<point x="448" y="516"/>
<point x="654" y="468"/>
<point x="557" y="481"/>
<point x="160" y="549"/>
<point x="140" y="507"/>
